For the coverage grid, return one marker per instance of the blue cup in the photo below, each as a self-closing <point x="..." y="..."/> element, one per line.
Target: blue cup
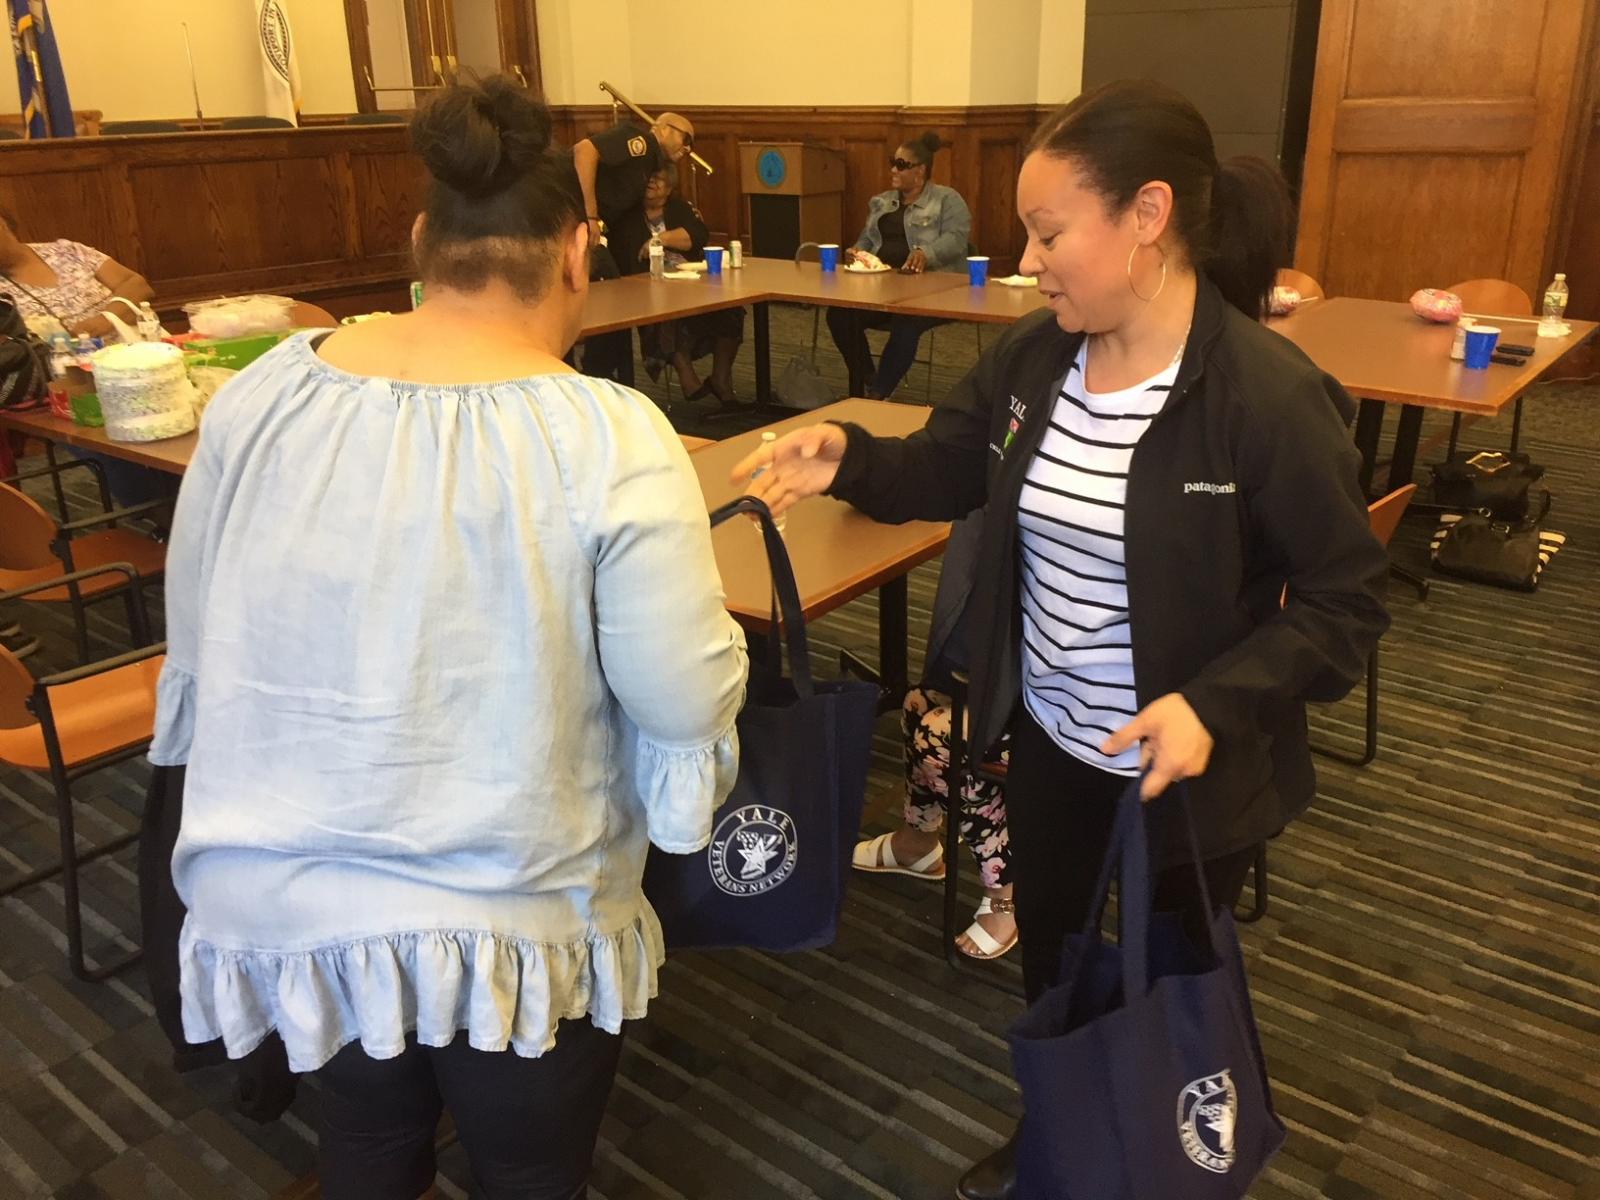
<point x="713" y="260"/>
<point x="977" y="269"/>
<point x="828" y="255"/>
<point x="1481" y="341"/>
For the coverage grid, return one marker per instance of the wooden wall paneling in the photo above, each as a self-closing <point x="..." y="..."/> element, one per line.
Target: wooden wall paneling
<point x="390" y="189"/>
<point x="1436" y="142"/>
<point x="202" y="214"/>
<point x="71" y="204"/>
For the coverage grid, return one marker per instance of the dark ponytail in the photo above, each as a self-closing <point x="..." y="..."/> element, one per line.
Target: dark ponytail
<point x="1232" y="220"/>
<point x="502" y="195"/>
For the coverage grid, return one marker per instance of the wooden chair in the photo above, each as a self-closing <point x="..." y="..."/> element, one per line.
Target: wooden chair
<point x="1384" y="515"/>
<point x="71" y="724"/>
<point x="1308" y="287"/>
<point x="1492" y="298"/>
<point x="306" y="315"/>
<point x="35" y="547"/>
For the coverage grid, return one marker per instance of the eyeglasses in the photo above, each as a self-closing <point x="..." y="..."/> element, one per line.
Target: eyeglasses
<point x="902" y="164"/>
<point x="688" y="137"/>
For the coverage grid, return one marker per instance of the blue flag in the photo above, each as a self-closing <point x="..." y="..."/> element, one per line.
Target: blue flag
<point x="41" y="83"/>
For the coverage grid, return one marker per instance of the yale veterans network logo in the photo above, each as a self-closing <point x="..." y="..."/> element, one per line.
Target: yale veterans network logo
<point x="753" y="850"/>
<point x="1208" y="1110"/>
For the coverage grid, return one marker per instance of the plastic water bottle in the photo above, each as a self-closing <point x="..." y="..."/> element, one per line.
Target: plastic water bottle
<point x="1551" y="323"/>
<point x="768" y="439"/>
<point x="149" y="323"/>
<point x="658" y="257"/>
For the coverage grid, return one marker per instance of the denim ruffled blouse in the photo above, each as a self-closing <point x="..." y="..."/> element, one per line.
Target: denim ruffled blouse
<point x="442" y="661"/>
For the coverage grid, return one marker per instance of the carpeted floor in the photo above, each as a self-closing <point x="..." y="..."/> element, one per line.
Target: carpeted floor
<point x="1427" y="980"/>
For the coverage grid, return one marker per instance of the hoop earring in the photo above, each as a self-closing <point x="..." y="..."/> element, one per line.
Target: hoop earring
<point x="1159" y="286"/>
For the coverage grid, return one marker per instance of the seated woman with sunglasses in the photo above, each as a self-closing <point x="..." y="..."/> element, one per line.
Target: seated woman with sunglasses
<point x="915" y="226"/>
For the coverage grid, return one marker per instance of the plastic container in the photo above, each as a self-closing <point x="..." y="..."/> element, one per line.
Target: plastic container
<point x="238" y="316"/>
<point x="144" y="392"/>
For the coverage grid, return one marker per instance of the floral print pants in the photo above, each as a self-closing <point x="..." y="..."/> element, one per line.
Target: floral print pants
<point x="925" y="721"/>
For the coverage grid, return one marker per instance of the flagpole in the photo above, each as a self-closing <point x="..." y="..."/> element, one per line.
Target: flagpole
<point x="194" y="80"/>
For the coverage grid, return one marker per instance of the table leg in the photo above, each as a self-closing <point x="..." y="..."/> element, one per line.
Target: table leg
<point x="1369" y="424"/>
<point x="1404" y="463"/>
<point x="763" y="353"/>
<point x="625" y="364"/>
<point x="892" y="670"/>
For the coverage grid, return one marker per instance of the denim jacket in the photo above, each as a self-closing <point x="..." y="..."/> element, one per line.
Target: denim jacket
<point x="938" y="223"/>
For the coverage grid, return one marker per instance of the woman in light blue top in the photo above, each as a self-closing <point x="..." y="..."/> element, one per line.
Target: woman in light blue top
<point x="916" y="226"/>
<point x="447" y="650"/>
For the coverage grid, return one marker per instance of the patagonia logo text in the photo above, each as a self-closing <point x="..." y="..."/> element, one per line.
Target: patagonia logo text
<point x="1214" y="489"/>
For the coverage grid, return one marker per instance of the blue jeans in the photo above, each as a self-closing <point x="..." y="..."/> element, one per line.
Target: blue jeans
<point x="849" y="329"/>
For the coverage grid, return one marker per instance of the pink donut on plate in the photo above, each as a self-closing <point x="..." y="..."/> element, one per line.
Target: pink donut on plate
<point x="1437" y="305"/>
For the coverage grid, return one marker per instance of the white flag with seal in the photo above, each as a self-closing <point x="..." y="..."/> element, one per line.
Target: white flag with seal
<point x="280" y="70"/>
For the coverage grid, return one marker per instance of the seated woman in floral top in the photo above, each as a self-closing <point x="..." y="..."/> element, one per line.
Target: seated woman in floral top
<point x="65" y="280"/>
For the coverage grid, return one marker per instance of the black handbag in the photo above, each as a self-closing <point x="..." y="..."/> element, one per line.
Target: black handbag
<point x="774" y="875"/>
<point x="1486" y="480"/>
<point x="1508" y="554"/>
<point x="24" y="361"/>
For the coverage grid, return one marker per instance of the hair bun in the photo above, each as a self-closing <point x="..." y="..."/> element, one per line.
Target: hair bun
<point x="477" y="138"/>
<point x="931" y="142"/>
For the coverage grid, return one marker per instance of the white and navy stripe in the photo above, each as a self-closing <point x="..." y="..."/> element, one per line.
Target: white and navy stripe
<point x="1077" y="645"/>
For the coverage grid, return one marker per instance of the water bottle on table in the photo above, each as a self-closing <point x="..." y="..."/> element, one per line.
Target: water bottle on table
<point x="1552" y="323"/>
<point x="767" y="440"/>
<point x="658" y="257"/>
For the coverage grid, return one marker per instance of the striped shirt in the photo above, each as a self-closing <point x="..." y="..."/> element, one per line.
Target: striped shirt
<point x="1077" y="652"/>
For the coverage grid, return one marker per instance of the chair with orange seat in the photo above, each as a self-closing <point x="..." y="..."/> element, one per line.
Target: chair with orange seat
<point x="306" y="315"/>
<point x="34" y="547"/>
<point x="1490" y="298"/>
<point x="71" y="724"/>
<point x="1308" y="287"/>
<point x="1384" y="516"/>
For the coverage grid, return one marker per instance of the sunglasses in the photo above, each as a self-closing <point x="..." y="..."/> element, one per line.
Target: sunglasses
<point x="903" y="164"/>
<point x="688" y="138"/>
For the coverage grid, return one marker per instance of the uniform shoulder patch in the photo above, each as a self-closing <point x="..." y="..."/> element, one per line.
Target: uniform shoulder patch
<point x="636" y="147"/>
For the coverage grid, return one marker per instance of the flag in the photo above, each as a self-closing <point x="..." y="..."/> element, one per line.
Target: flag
<point x="41" y="83"/>
<point x="280" y="70"/>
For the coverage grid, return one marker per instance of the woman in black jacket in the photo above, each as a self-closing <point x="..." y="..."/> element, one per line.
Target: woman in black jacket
<point x="1176" y="549"/>
<point x="666" y="215"/>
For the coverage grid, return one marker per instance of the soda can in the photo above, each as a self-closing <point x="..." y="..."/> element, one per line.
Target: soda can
<point x="735" y="254"/>
<point x="416" y="293"/>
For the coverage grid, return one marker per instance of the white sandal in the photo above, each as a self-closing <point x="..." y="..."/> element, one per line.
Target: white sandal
<point x="877" y="856"/>
<point x="982" y="938"/>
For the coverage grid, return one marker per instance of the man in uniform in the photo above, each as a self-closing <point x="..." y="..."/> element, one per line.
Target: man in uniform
<point x="613" y="167"/>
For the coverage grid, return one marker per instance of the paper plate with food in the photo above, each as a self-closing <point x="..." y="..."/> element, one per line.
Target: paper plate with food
<point x="867" y="263"/>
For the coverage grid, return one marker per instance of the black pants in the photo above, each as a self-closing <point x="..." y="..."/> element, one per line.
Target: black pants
<point x="1059" y="813"/>
<point x="849" y="326"/>
<point x="528" y="1125"/>
<point x="607" y="355"/>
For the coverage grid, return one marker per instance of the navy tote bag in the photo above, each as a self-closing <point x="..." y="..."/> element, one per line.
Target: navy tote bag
<point x="774" y="875"/>
<point x="1141" y="1071"/>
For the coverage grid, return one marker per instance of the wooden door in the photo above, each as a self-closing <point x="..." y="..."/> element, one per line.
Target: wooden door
<point x="1437" y="139"/>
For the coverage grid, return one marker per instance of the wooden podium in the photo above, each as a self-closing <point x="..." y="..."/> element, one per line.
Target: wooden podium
<point x="793" y="193"/>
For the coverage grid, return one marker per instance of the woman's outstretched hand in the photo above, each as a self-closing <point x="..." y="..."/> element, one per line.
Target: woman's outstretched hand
<point x="797" y="465"/>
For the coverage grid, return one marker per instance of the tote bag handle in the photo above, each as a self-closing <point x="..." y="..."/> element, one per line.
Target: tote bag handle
<point x="1129" y="855"/>
<point x="786" y="615"/>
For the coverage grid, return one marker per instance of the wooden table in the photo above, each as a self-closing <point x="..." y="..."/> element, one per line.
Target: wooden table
<point x="639" y="300"/>
<point x="170" y="454"/>
<point x="1384" y="354"/>
<point x="993" y="304"/>
<point x="837" y="552"/>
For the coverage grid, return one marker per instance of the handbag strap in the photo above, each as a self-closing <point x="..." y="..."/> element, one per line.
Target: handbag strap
<point x="786" y="593"/>
<point x="36" y="298"/>
<point x="1136" y="889"/>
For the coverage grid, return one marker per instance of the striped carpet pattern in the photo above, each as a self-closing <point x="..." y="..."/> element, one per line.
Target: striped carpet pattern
<point x="1427" y="980"/>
